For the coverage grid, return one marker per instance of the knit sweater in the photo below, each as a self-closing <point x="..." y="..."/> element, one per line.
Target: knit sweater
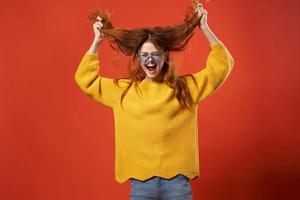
<point x="154" y="134"/>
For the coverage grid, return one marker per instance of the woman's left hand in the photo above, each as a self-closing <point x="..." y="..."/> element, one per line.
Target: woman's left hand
<point x="201" y="13"/>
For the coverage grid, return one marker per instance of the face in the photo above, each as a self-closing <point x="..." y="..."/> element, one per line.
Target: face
<point x="151" y="61"/>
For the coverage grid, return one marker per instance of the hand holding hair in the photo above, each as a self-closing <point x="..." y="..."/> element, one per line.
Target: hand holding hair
<point x="202" y="14"/>
<point x="97" y="26"/>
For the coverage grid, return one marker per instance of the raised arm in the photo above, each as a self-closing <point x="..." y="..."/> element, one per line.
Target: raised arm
<point x="101" y="89"/>
<point x="219" y="64"/>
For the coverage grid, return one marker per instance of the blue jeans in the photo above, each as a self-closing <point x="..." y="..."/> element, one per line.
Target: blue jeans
<point x="158" y="188"/>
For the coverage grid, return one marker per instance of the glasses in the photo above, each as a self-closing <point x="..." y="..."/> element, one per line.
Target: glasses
<point x="156" y="56"/>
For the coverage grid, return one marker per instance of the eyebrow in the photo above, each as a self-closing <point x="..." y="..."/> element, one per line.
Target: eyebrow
<point x="151" y="52"/>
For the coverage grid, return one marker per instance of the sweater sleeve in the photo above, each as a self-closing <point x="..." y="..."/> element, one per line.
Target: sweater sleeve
<point x="219" y="64"/>
<point x="100" y="89"/>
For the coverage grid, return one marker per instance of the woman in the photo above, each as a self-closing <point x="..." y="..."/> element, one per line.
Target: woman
<point x="155" y="109"/>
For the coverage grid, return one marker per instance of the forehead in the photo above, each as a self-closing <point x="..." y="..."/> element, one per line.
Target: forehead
<point x="148" y="47"/>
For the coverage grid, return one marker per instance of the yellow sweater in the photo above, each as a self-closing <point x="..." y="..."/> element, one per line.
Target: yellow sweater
<point x="154" y="136"/>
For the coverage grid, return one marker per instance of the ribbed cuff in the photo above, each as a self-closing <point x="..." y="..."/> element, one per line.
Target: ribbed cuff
<point x="91" y="56"/>
<point x="218" y="45"/>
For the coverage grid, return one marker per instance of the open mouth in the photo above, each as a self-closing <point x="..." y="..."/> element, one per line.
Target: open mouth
<point x="151" y="68"/>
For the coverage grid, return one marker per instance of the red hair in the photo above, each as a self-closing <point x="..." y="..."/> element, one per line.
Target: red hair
<point x="170" y="38"/>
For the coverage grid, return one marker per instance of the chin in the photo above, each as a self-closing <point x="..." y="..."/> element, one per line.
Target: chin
<point x="152" y="75"/>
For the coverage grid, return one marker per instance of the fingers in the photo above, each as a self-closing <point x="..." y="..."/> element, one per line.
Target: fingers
<point x="201" y="11"/>
<point x="204" y="12"/>
<point x="198" y="5"/>
<point x="98" y="18"/>
<point x="199" y="8"/>
<point x="98" y="24"/>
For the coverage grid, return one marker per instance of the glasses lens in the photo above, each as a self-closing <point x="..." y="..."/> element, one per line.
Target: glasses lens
<point x="145" y="57"/>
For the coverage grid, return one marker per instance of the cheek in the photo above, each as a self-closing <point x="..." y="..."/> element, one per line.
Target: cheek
<point x="161" y="64"/>
<point x="143" y="66"/>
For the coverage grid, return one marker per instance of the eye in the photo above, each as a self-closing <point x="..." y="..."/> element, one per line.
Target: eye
<point x="144" y="55"/>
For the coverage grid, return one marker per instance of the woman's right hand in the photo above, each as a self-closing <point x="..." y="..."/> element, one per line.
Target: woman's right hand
<point x="97" y="26"/>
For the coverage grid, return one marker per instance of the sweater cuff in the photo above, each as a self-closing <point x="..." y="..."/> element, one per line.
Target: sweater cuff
<point x="92" y="56"/>
<point x="218" y="45"/>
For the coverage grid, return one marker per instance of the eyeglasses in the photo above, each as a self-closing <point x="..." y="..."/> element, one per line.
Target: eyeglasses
<point x="156" y="56"/>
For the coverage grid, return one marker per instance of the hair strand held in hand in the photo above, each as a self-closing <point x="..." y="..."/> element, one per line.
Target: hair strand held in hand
<point x="166" y="39"/>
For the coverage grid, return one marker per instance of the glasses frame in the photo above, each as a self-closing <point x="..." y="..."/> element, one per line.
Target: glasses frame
<point x="151" y="55"/>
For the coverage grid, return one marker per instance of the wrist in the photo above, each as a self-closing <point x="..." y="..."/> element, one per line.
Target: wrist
<point x="97" y="40"/>
<point x="204" y="27"/>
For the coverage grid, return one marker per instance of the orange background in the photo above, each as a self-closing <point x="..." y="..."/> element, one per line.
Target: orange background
<point x="56" y="143"/>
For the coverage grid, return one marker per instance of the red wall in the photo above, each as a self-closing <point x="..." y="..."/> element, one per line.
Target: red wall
<point x="56" y="143"/>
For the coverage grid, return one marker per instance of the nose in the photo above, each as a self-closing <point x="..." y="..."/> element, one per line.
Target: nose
<point x="150" y="59"/>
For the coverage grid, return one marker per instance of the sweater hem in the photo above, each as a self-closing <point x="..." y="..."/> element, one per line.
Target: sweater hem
<point x="191" y="175"/>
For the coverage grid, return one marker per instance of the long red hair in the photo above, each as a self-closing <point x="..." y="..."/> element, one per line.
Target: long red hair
<point x="170" y="38"/>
